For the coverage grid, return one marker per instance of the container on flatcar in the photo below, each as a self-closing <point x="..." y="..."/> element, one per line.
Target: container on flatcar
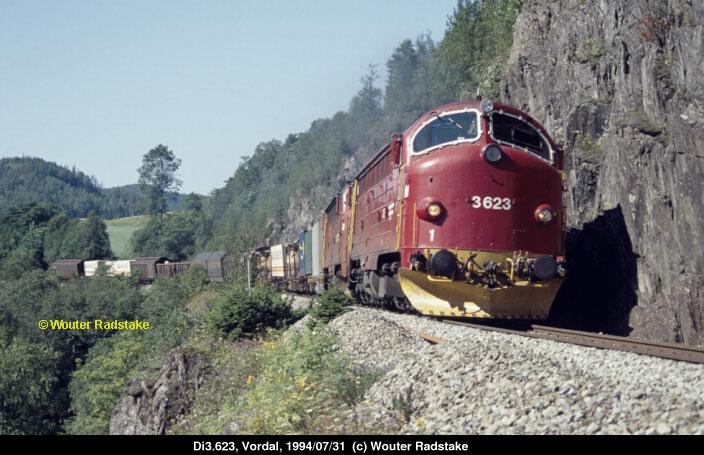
<point x="302" y="254"/>
<point x="316" y="249"/>
<point x="307" y="267"/>
<point x="309" y="260"/>
<point x="292" y="265"/>
<point x="278" y="264"/>
<point x="260" y="264"/>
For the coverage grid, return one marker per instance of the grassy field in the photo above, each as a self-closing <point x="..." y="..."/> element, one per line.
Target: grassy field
<point x="120" y="232"/>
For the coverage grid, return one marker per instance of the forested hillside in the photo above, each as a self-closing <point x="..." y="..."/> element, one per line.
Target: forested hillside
<point x="34" y="235"/>
<point x="26" y="179"/>
<point x="283" y="185"/>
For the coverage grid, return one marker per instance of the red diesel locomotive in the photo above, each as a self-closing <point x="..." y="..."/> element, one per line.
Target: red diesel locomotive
<point x="459" y="216"/>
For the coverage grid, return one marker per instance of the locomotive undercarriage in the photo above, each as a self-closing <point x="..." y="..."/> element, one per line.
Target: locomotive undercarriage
<point x="379" y="289"/>
<point x="465" y="283"/>
<point x="490" y="269"/>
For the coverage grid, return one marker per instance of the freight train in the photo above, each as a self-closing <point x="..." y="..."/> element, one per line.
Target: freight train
<point x="461" y="215"/>
<point x="217" y="266"/>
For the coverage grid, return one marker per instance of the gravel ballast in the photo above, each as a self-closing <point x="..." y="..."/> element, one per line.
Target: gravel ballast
<point x="483" y="382"/>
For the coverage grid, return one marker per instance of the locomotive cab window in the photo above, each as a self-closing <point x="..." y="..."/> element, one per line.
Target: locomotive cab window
<point x="514" y="131"/>
<point x="445" y="129"/>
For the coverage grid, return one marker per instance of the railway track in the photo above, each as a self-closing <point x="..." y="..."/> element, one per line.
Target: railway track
<point x="670" y="351"/>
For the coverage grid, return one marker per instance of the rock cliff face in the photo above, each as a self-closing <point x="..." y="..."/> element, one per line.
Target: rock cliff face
<point x="148" y="407"/>
<point x="620" y="83"/>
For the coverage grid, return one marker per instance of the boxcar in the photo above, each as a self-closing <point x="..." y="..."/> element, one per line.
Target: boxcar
<point x="336" y="230"/>
<point x="91" y="267"/>
<point x="120" y="268"/>
<point x="216" y="264"/>
<point x="171" y="269"/>
<point x="68" y="268"/>
<point x="147" y="267"/>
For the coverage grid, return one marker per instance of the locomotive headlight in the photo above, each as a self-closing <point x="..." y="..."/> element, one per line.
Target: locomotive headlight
<point x="544" y="214"/>
<point x="492" y="153"/>
<point x="434" y="210"/>
<point x="487" y="106"/>
<point x="430" y="209"/>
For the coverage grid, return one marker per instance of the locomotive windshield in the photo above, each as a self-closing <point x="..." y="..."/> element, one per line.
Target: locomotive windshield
<point x="514" y="131"/>
<point x="446" y="128"/>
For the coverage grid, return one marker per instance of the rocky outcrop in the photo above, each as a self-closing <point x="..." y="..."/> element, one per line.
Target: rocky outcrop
<point x="148" y="407"/>
<point x="620" y="83"/>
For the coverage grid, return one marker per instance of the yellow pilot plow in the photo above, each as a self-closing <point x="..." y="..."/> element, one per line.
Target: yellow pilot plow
<point x="439" y="296"/>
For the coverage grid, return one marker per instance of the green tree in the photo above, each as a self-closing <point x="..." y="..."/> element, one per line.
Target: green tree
<point x="330" y="304"/>
<point x="173" y="236"/>
<point x="402" y="67"/>
<point x="97" y="242"/>
<point x="193" y="203"/>
<point x="27" y="386"/>
<point x="101" y="379"/>
<point x="86" y="239"/>
<point x="157" y="176"/>
<point x="367" y="103"/>
<point x="238" y="313"/>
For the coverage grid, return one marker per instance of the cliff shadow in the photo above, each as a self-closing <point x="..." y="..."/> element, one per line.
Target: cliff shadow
<point x="600" y="289"/>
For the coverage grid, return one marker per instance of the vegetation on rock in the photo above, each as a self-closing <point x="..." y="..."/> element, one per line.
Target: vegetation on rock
<point x="330" y="304"/>
<point x="239" y="313"/>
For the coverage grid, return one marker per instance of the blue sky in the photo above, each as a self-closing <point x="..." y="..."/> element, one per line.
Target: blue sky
<point x="96" y="84"/>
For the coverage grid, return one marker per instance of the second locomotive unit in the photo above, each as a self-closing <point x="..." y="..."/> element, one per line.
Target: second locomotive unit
<point x="459" y="216"/>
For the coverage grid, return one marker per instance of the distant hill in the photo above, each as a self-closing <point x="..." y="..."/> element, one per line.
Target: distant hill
<point x="28" y="179"/>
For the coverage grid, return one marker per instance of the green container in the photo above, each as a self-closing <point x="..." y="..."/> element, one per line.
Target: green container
<point x="309" y="252"/>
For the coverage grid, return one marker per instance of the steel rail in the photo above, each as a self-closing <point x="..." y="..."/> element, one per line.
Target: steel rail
<point x="671" y="351"/>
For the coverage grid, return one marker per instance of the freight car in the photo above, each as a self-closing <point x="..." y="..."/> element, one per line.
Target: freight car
<point x="146" y="267"/>
<point x="217" y="265"/>
<point x="460" y="215"/>
<point x="68" y="268"/>
<point x="171" y="269"/>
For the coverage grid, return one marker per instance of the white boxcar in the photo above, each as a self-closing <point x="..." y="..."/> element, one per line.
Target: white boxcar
<point x="120" y="268"/>
<point x="277" y="261"/>
<point x="90" y="267"/>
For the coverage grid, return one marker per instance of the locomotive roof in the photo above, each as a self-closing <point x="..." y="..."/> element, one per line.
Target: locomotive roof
<point x="476" y="104"/>
<point x="471" y="104"/>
